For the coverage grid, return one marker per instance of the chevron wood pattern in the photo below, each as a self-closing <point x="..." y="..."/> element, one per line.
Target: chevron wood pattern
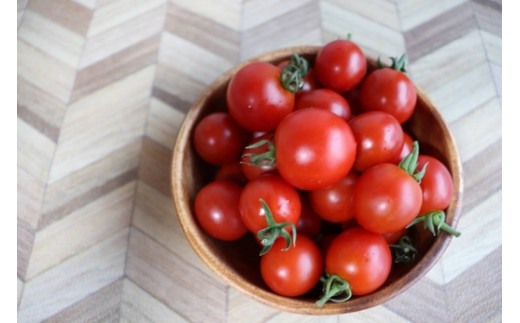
<point x="103" y="86"/>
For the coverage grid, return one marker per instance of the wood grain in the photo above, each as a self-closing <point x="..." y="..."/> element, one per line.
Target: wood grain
<point x="102" y="89"/>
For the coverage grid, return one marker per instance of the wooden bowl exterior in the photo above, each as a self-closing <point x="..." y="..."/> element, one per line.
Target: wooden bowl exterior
<point x="237" y="263"/>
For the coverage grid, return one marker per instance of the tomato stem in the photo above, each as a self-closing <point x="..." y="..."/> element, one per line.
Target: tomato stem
<point x="409" y="163"/>
<point x="294" y="72"/>
<point x="269" y="234"/>
<point x="404" y="251"/>
<point x="435" y="222"/>
<point x="333" y="286"/>
<point x="267" y="158"/>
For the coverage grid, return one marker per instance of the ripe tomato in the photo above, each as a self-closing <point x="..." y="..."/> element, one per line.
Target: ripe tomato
<point x="407" y="148"/>
<point x="250" y="170"/>
<point x="231" y="172"/>
<point x="314" y="148"/>
<point x="216" y="210"/>
<point x="293" y="272"/>
<point x="256" y="98"/>
<point x="283" y="201"/>
<point x="218" y="139"/>
<point x="361" y="258"/>
<point x="325" y="99"/>
<point x="340" y="65"/>
<point x="386" y="198"/>
<point x="379" y="137"/>
<point x="390" y="91"/>
<point x="309" y="223"/>
<point x="436" y="185"/>
<point x="335" y="203"/>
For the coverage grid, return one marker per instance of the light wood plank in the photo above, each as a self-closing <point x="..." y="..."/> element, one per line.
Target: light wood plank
<point x="35" y="151"/>
<point x="163" y="123"/>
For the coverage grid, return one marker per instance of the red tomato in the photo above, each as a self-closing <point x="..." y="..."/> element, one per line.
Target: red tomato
<point x="335" y="203"/>
<point x="256" y="98"/>
<point x="216" y="210"/>
<point x="436" y="184"/>
<point x="390" y="91"/>
<point x="231" y="172"/>
<point x="283" y="201"/>
<point x="379" y="137"/>
<point x="293" y="272"/>
<point x="361" y="258"/>
<point x="309" y="223"/>
<point x="340" y="65"/>
<point x="386" y="198"/>
<point x="393" y="237"/>
<point x="218" y="139"/>
<point x="325" y="99"/>
<point x="250" y="170"/>
<point x="407" y="148"/>
<point x="314" y="148"/>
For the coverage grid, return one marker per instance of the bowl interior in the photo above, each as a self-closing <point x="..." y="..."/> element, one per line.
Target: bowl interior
<point x="237" y="263"/>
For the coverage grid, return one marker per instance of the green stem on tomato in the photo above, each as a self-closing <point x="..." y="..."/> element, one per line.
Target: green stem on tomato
<point x="435" y="222"/>
<point x="269" y="234"/>
<point x="398" y="64"/>
<point x="404" y="251"/>
<point x="334" y="286"/>
<point x="267" y="158"/>
<point x="294" y="72"/>
<point x="409" y="163"/>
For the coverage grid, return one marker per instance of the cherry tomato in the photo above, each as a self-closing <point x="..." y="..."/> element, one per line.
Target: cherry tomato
<point x="407" y="148"/>
<point x="386" y="198"/>
<point x="390" y="91"/>
<point x="231" y="172"/>
<point x="293" y="272"/>
<point x="218" y="139"/>
<point x="256" y="98"/>
<point x="335" y="203"/>
<point x="340" y="65"/>
<point x="361" y="258"/>
<point x="436" y="184"/>
<point x="325" y="99"/>
<point x="314" y="148"/>
<point x="282" y="199"/>
<point x="216" y="210"/>
<point x="379" y="137"/>
<point x="250" y="170"/>
<point x="393" y="237"/>
<point x="309" y="223"/>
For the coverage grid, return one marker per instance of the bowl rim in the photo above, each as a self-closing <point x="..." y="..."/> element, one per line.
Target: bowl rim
<point x="296" y="305"/>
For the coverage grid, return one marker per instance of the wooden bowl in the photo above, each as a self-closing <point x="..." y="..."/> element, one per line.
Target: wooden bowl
<point x="237" y="263"/>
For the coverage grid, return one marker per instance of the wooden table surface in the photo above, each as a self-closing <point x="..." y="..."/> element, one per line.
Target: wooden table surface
<point x="103" y="86"/>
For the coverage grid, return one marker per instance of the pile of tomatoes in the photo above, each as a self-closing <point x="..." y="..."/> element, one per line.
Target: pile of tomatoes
<point x="302" y="149"/>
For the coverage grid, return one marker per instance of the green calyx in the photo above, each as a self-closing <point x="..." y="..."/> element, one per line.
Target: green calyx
<point x="269" y="234"/>
<point x="409" y="163"/>
<point x="267" y="158"/>
<point x="398" y="64"/>
<point x="435" y="222"/>
<point x="404" y="251"/>
<point x="335" y="289"/>
<point x="294" y="73"/>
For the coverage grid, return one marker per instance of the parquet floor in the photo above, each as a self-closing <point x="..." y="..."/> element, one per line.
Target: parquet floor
<point x="103" y="86"/>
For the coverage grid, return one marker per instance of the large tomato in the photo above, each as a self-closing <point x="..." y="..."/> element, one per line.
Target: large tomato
<point x="314" y="148"/>
<point x="386" y="198"/>
<point x="389" y="90"/>
<point x="216" y="210"/>
<point x="379" y="136"/>
<point x="256" y="98"/>
<point x="218" y="139"/>
<point x="325" y="99"/>
<point x="360" y="258"/>
<point x="436" y="184"/>
<point x="340" y="65"/>
<point x="293" y="272"/>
